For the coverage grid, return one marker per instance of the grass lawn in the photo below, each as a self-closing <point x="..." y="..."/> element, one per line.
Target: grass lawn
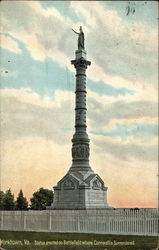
<point x="64" y="241"/>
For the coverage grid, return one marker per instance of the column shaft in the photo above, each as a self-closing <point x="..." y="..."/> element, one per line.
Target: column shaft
<point x="80" y="147"/>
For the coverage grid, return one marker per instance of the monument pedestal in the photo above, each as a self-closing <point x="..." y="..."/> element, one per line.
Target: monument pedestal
<point x="80" y="190"/>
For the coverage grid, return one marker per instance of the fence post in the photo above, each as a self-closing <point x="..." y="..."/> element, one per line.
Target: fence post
<point x="24" y="219"/>
<point x="78" y="222"/>
<point x="50" y="220"/>
<point x="1" y="220"/>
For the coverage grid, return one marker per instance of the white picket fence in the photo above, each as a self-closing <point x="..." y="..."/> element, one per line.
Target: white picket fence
<point x="101" y="221"/>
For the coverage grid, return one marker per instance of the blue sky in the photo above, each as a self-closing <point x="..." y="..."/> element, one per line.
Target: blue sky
<point x="39" y="75"/>
<point x="38" y="83"/>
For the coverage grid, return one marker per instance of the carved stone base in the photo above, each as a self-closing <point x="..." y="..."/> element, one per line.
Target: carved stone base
<point x="80" y="190"/>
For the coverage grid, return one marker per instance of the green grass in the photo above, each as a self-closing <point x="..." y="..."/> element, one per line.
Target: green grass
<point x="86" y="241"/>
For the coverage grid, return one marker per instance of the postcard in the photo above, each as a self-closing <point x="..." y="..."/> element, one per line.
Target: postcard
<point x="79" y="125"/>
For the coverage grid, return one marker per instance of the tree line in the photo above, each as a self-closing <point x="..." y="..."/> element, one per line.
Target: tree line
<point x="39" y="200"/>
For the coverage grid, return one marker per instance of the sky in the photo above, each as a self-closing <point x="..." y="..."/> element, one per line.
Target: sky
<point x="37" y="95"/>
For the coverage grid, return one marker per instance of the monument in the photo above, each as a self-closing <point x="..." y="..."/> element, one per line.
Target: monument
<point x="80" y="188"/>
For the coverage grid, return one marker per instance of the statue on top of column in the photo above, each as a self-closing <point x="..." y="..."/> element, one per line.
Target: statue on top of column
<point x="80" y="38"/>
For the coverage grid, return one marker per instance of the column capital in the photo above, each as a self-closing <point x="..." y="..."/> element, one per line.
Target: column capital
<point x="81" y="62"/>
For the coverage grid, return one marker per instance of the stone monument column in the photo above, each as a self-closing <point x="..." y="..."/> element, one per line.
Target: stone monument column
<point x="80" y="147"/>
<point x="80" y="188"/>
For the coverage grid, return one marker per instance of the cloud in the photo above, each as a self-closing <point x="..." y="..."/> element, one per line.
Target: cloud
<point x="10" y="44"/>
<point x="36" y="138"/>
<point x="125" y="177"/>
<point x="122" y="54"/>
<point x="103" y="113"/>
<point x="128" y="149"/>
<point x="126" y="123"/>
<point x="25" y="114"/>
<point x="138" y="130"/>
<point x="45" y="36"/>
<point x="117" y="47"/>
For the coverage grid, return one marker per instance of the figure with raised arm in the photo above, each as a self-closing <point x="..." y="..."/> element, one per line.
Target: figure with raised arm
<point x="80" y="38"/>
